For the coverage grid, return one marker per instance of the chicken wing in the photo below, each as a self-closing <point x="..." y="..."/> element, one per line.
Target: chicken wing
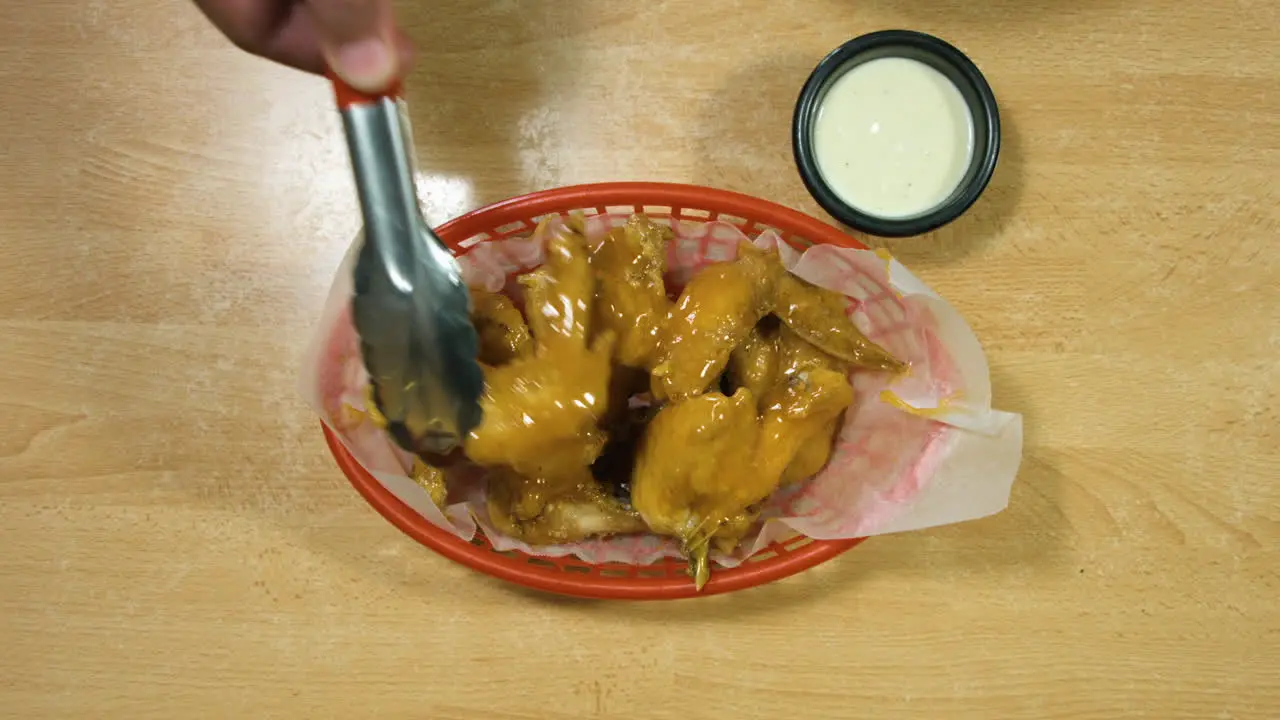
<point x="811" y="457"/>
<point x="797" y="356"/>
<point x="559" y="295"/>
<point x="707" y="460"/>
<point x="581" y="511"/>
<point x="818" y="315"/>
<point x="431" y="479"/>
<point x="631" y="299"/>
<point x="502" y="330"/>
<point x="798" y="414"/>
<point x="541" y="413"/>
<point x="693" y="469"/>
<point x="796" y="429"/>
<point x="714" y="314"/>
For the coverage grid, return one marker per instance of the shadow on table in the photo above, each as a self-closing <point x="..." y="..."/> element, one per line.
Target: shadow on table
<point x="970" y="233"/>
<point x="743" y="142"/>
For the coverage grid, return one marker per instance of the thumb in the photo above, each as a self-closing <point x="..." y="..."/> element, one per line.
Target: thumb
<point x="359" y="41"/>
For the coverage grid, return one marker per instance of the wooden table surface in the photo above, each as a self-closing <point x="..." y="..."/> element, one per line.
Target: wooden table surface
<point x="176" y="542"/>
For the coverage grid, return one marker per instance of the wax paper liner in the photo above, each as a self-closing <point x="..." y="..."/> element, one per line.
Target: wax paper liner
<point x="916" y="451"/>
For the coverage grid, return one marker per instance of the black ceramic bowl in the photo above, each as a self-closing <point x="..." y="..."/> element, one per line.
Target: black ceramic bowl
<point x="947" y="60"/>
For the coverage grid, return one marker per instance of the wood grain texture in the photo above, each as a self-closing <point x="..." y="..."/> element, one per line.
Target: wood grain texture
<point x="176" y="542"/>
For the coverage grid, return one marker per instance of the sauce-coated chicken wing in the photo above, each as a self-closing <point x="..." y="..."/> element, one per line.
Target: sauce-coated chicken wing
<point x="560" y="294"/>
<point x="631" y="299"/>
<point x="542" y="412"/>
<point x="431" y="478"/>
<point x="706" y="460"/>
<point x="581" y="511"/>
<point x="714" y="314"/>
<point x="819" y="316"/>
<point x="504" y="336"/>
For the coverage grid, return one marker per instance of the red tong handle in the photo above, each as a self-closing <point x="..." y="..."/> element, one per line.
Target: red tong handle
<point x="348" y="96"/>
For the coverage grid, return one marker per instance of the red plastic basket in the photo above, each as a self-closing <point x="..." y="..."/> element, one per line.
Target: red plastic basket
<point x="665" y="579"/>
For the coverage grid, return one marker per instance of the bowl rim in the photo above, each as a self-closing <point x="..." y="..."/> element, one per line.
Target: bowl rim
<point x="985" y="112"/>
<point x="517" y="569"/>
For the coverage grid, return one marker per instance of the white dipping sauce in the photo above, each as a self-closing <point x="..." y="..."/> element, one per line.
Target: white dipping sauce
<point x="893" y="137"/>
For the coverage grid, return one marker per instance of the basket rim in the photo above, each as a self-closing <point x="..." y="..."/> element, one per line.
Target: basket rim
<point x="676" y="195"/>
<point x="517" y="569"/>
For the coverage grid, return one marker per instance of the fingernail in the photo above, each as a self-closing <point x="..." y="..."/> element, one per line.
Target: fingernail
<point x="367" y="65"/>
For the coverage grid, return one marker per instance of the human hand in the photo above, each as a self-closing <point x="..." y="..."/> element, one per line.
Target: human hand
<point x="358" y="39"/>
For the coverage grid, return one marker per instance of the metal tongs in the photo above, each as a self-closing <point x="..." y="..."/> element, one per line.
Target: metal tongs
<point x="411" y="307"/>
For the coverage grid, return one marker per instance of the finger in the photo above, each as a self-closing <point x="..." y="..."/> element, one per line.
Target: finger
<point x="275" y="29"/>
<point x="285" y="31"/>
<point x="296" y="43"/>
<point x="359" y="41"/>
